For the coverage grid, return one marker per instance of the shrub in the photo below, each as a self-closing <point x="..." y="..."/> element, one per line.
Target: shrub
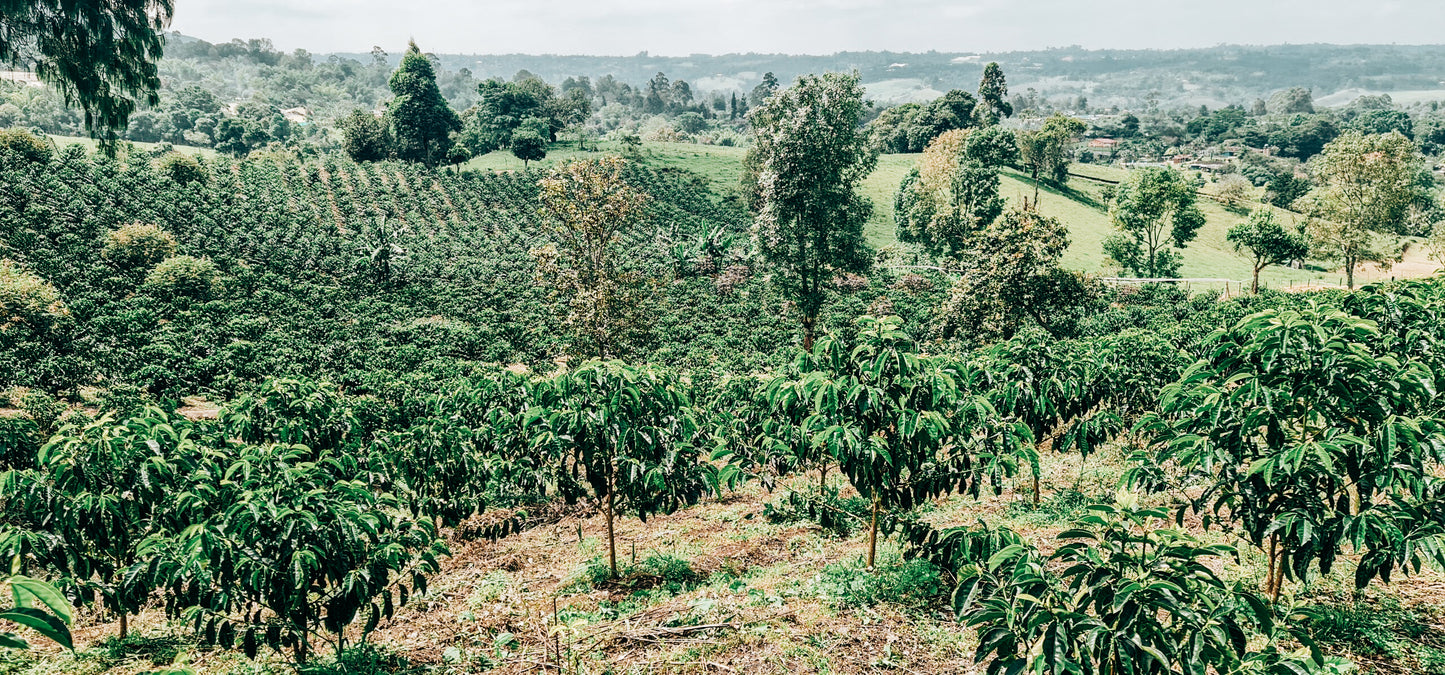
<point x="138" y="246"/>
<point x="24" y="144"/>
<point x="914" y="584"/>
<point x="26" y="299"/>
<point x="182" y="276"/>
<point x="182" y="168"/>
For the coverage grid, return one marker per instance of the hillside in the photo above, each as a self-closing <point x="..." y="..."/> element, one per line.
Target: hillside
<point x="723" y="588"/>
<point x="1080" y="208"/>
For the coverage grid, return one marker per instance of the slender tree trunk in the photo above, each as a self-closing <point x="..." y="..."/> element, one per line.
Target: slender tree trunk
<point x="124" y="625"/>
<point x="1036" y="487"/>
<point x="611" y="538"/>
<point x="1254" y="287"/>
<point x="823" y="475"/>
<point x="1273" y="562"/>
<point x="873" y="533"/>
<point x="809" y="324"/>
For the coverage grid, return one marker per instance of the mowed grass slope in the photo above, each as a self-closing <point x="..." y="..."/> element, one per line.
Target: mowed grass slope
<point x="91" y="145"/>
<point x="1080" y="207"/>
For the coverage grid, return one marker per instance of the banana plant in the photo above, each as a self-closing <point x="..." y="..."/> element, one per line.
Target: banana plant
<point x="1313" y="440"/>
<point x="1120" y="595"/>
<point x="99" y="493"/>
<point x="631" y="432"/>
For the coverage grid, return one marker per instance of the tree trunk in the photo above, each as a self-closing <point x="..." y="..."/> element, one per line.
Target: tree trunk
<point x="809" y="323"/>
<point x="1036" y="487"/>
<point x="873" y="533"/>
<point x="1254" y="286"/>
<point x="611" y="538"/>
<point x="124" y="625"/>
<point x="1273" y="562"/>
<point x="823" y="476"/>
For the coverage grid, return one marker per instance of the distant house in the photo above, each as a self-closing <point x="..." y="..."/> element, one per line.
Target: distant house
<point x="1207" y="167"/>
<point x="1109" y="144"/>
<point x="1179" y="160"/>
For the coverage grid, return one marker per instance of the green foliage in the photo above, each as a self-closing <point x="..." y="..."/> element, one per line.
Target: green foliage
<point x="26" y="299"/>
<point x="836" y="515"/>
<point x="365" y="137"/>
<point x="138" y="246"/>
<point x="1155" y="213"/>
<point x="630" y="432"/>
<point x="1377" y="628"/>
<point x="1044" y="153"/>
<point x="100" y="56"/>
<point x="419" y="118"/>
<point x="1285" y="188"/>
<point x="182" y="277"/>
<point x="897" y="424"/>
<point x="912" y="584"/>
<point x="667" y="573"/>
<point x="993" y="96"/>
<point x="41" y="608"/>
<point x="1364" y="184"/>
<point x="807" y="159"/>
<point x="184" y="169"/>
<point x="1117" y="596"/>
<point x="1314" y="437"/>
<point x="1012" y="273"/>
<point x="98" y="495"/>
<point x="528" y="145"/>
<point x="22" y="144"/>
<point x="1267" y="242"/>
<point x="291" y="530"/>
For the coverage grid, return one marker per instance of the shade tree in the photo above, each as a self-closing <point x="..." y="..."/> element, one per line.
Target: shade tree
<point x="1267" y="242"/>
<point x="802" y="175"/>
<point x="1155" y="214"/>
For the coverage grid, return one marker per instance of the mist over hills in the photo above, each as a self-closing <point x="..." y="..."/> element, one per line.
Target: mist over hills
<point x="1214" y="76"/>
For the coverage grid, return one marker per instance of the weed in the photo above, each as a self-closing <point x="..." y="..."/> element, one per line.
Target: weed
<point x="913" y="584"/>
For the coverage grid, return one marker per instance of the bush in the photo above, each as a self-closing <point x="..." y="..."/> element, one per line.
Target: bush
<point x="182" y="168"/>
<point x="138" y="246"/>
<point x="26" y="299"/>
<point x="913" y="584"/>
<point x="25" y="145"/>
<point x="660" y="571"/>
<point x="44" y="411"/>
<point x="182" y="276"/>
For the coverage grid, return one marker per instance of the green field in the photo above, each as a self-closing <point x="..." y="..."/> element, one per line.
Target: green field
<point x="1080" y="207"/>
<point x="90" y="145"/>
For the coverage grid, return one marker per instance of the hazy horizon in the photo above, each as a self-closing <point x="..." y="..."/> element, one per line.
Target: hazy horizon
<point x="804" y="27"/>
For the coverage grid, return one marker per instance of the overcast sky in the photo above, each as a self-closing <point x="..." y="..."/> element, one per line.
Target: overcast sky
<point x="680" y="27"/>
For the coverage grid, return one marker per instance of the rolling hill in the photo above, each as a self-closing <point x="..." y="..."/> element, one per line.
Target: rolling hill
<point x="1080" y="207"/>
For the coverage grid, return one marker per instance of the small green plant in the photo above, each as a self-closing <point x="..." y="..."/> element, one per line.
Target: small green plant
<point x="663" y="572"/>
<point x="363" y="659"/>
<point x="1062" y="506"/>
<point x="914" y="584"/>
<point x="159" y="650"/>
<point x="838" y="516"/>
<point x="1382" y="628"/>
